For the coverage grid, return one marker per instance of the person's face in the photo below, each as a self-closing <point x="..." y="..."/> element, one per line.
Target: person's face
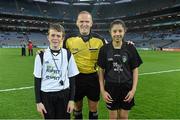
<point x="117" y="32"/>
<point x="55" y="38"/>
<point x="84" y="23"/>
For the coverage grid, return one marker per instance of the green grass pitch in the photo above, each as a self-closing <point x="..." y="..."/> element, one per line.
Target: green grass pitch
<point x="157" y="95"/>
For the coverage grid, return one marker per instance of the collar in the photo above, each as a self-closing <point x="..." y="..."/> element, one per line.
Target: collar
<point x="85" y="38"/>
<point x="54" y="52"/>
<point x="123" y="45"/>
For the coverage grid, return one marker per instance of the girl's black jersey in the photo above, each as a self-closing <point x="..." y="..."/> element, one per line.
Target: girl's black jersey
<point x="119" y="63"/>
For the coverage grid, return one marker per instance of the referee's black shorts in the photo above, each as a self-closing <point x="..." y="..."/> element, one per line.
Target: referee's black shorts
<point x="56" y="104"/>
<point x="118" y="93"/>
<point x="87" y="85"/>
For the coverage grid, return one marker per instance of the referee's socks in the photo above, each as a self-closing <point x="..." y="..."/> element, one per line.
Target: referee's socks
<point x="93" y="115"/>
<point x="78" y="114"/>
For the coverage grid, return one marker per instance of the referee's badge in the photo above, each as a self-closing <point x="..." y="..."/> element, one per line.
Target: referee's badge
<point x="124" y="58"/>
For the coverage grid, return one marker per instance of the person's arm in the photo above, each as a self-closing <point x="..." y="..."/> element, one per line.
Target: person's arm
<point x="131" y="93"/>
<point x="37" y="87"/>
<point x="101" y="79"/>
<point x="135" y="79"/>
<point x="101" y="62"/>
<point x="106" y="96"/>
<point x="70" y="107"/>
<point x="72" y="88"/>
<point x="72" y="72"/>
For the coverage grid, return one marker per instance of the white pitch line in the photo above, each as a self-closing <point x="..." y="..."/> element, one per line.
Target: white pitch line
<point x="150" y="73"/>
<point x="159" y="72"/>
<point x="13" y="89"/>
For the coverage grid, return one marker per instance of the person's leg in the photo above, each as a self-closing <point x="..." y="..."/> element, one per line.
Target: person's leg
<point x="29" y="51"/>
<point x="79" y="95"/>
<point x="48" y="101"/>
<point x="24" y="51"/>
<point x="60" y="109"/>
<point x="125" y="106"/>
<point x="78" y="109"/>
<point x="21" y="51"/>
<point x="93" y="106"/>
<point x="113" y="114"/>
<point x="61" y="105"/>
<point x="123" y="114"/>
<point x="113" y="90"/>
<point x="93" y="94"/>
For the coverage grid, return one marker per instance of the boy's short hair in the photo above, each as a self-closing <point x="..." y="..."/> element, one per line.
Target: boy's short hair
<point x="118" y="21"/>
<point x="58" y="27"/>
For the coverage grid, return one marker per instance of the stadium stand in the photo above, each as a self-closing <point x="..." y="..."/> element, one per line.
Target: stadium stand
<point x="152" y="24"/>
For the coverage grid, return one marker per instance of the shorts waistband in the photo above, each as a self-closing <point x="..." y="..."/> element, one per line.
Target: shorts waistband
<point x="57" y="92"/>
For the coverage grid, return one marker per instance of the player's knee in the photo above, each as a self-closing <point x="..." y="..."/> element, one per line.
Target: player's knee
<point x="123" y="114"/>
<point x="78" y="105"/>
<point x="113" y="114"/>
<point x="93" y="107"/>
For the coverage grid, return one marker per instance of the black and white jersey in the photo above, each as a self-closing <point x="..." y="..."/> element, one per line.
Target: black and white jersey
<point x="55" y="68"/>
<point x="119" y="63"/>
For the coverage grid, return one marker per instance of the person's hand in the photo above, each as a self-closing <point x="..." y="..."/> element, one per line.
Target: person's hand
<point x="130" y="42"/>
<point x="41" y="109"/>
<point x="106" y="97"/>
<point x="129" y="96"/>
<point x="70" y="106"/>
<point x="39" y="51"/>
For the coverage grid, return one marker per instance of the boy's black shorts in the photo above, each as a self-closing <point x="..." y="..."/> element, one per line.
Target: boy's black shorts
<point x="87" y="85"/>
<point x="118" y="93"/>
<point x="56" y="104"/>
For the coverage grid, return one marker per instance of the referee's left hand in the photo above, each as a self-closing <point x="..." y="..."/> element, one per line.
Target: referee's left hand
<point x="70" y="106"/>
<point x="130" y="42"/>
<point x="129" y="96"/>
<point x="40" y="50"/>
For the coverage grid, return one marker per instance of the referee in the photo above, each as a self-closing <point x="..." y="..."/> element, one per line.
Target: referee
<point x="85" y="47"/>
<point x="54" y="77"/>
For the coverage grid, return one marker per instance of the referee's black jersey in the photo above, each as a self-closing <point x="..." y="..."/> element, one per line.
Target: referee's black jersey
<point x="119" y="63"/>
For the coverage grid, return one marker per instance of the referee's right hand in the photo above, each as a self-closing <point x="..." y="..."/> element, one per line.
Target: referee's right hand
<point x="41" y="109"/>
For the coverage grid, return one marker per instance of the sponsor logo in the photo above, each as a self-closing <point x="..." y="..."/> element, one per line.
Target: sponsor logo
<point x="110" y="59"/>
<point x="124" y="58"/>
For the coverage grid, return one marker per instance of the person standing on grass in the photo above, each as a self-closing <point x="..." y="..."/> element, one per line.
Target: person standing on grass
<point x="30" y="48"/>
<point x="23" y="48"/>
<point x="118" y="72"/>
<point x="85" y="47"/>
<point x="54" y="72"/>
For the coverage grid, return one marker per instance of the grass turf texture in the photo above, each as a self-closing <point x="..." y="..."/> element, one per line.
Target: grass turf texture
<point x="157" y="95"/>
